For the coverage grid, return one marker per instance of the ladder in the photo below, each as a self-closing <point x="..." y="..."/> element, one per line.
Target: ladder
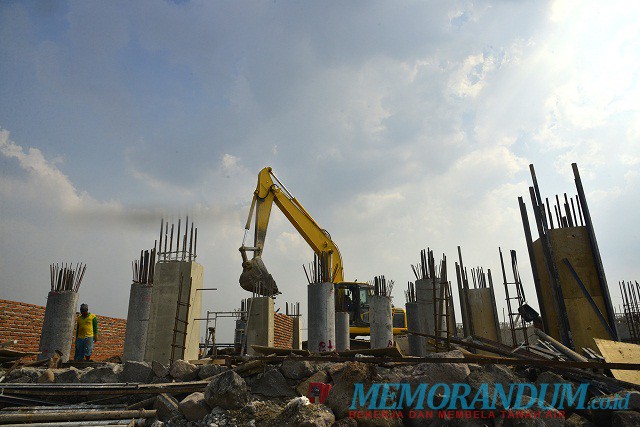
<point x="516" y="321"/>
<point x="182" y="332"/>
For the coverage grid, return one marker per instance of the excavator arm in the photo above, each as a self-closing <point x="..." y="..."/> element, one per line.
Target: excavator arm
<point x="255" y="277"/>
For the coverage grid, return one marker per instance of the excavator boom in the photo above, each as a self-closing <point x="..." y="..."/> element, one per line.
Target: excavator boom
<point x="255" y="277"/>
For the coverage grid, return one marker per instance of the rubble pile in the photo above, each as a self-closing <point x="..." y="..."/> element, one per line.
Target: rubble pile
<point x="266" y="393"/>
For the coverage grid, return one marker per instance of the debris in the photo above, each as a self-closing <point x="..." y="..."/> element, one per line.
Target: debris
<point x="166" y="407"/>
<point x="182" y="370"/>
<point x="227" y="390"/>
<point x="613" y="351"/>
<point x="194" y="407"/>
<point x="272" y="384"/>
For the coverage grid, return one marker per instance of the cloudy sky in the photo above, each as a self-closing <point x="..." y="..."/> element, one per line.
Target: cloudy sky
<point x="398" y="125"/>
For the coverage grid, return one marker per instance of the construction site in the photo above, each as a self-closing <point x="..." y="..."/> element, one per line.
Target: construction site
<point x="565" y="353"/>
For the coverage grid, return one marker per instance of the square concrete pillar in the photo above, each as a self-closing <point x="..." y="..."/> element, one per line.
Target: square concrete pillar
<point x="297" y="333"/>
<point x="260" y="323"/>
<point x="164" y="308"/>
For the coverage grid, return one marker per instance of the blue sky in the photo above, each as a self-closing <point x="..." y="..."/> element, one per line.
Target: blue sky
<point x="397" y="125"/>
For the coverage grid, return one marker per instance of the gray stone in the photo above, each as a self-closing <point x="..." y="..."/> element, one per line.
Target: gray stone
<point x="209" y="370"/>
<point x="272" y="384"/>
<point x="182" y="370"/>
<point x="625" y="419"/>
<point x="551" y="379"/>
<point x="69" y="375"/>
<point x="157" y="423"/>
<point x="346" y="422"/>
<point x="432" y="373"/>
<point x="46" y="377"/>
<point x="109" y="373"/>
<point x="136" y="372"/>
<point x="300" y="413"/>
<point x="576" y="420"/>
<point x="296" y="369"/>
<point x="23" y="375"/>
<point x="227" y="390"/>
<point x="166" y="407"/>
<point x="159" y="370"/>
<point x="318" y="377"/>
<point x="194" y="407"/>
<point x="341" y="394"/>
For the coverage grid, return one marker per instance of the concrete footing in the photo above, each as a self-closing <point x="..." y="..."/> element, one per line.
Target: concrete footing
<point x="260" y="323"/>
<point x="58" y="328"/>
<point x="342" y="331"/>
<point x="381" y="321"/>
<point x="322" y="317"/>
<point x="135" y="337"/>
<point x="417" y="344"/>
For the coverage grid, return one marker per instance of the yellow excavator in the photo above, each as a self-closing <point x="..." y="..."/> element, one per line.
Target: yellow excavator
<point x="255" y="277"/>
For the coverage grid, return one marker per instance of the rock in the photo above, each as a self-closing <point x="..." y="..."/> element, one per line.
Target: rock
<point x="182" y="370"/>
<point x="46" y="377"/>
<point x="23" y="375"/>
<point x="432" y="373"/>
<point x="194" y="407"/>
<point x="272" y="384"/>
<point x="576" y="420"/>
<point x="159" y="370"/>
<point x="341" y="394"/>
<point x="209" y="370"/>
<point x="551" y="379"/>
<point x="109" y="373"/>
<point x="625" y="419"/>
<point x="157" y="423"/>
<point x="227" y="390"/>
<point x="166" y="407"/>
<point x="69" y="375"/>
<point x="618" y="401"/>
<point x="296" y="369"/>
<point x="299" y="412"/>
<point x="318" y="377"/>
<point x="346" y="422"/>
<point x="136" y="372"/>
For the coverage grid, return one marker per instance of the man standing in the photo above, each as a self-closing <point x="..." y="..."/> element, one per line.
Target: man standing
<point x="86" y="333"/>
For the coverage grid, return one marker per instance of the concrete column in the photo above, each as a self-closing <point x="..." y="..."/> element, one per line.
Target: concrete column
<point x="162" y="315"/>
<point x="424" y="298"/>
<point x="381" y="321"/>
<point x="260" y="323"/>
<point x="417" y="344"/>
<point x="297" y="333"/>
<point x="322" y="317"/>
<point x="58" y="328"/>
<point x="135" y="337"/>
<point x="342" y="331"/>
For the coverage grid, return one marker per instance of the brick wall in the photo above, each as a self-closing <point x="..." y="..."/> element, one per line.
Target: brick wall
<point x="283" y="331"/>
<point x="23" y="322"/>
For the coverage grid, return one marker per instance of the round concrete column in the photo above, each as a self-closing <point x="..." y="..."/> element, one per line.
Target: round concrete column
<point x="342" y="331"/>
<point x="58" y="328"/>
<point x="135" y="337"/>
<point x="322" y="317"/>
<point x="417" y="344"/>
<point x="380" y="321"/>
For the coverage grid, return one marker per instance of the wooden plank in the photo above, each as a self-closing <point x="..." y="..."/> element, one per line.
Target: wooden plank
<point x="620" y="352"/>
<point x="278" y="351"/>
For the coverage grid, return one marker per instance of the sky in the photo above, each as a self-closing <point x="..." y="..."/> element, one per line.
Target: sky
<point x="398" y="125"/>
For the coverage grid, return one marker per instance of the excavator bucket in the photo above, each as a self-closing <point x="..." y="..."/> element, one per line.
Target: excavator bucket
<point x="255" y="278"/>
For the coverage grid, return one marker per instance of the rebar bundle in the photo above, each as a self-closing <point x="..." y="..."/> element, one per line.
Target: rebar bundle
<point x="410" y="293"/>
<point x="320" y="270"/>
<point x="631" y="308"/>
<point x="66" y="278"/>
<point x="381" y="287"/>
<point x="144" y="268"/>
<point x="184" y="253"/>
<point x="292" y="309"/>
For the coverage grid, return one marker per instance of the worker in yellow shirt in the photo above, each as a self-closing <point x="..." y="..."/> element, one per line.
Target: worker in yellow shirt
<point x="86" y="333"/>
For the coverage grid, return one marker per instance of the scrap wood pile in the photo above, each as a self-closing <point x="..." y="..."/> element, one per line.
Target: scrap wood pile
<point x="274" y="389"/>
